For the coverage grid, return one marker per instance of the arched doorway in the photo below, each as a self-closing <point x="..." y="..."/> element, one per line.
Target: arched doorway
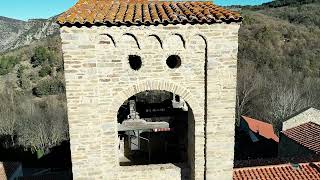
<point x="156" y="127"/>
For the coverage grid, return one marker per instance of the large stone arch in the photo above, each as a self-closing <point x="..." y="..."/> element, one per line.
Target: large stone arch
<point x="197" y="171"/>
<point x="155" y="85"/>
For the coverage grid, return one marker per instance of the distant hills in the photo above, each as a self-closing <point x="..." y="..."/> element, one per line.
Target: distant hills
<point x="280" y="3"/>
<point x="16" y="33"/>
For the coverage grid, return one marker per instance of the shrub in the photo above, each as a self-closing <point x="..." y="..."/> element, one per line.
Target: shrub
<point x="43" y="55"/>
<point x="24" y="83"/>
<point x="7" y="63"/>
<point x="23" y="80"/>
<point x="21" y="70"/>
<point x="45" y="71"/>
<point x="49" y="86"/>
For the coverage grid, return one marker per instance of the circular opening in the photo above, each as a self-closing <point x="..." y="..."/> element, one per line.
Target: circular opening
<point x="174" y="61"/>
<point x="135" y="62"/>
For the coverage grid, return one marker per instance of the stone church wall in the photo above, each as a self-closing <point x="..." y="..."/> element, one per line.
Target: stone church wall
<point x="99" y="79"/>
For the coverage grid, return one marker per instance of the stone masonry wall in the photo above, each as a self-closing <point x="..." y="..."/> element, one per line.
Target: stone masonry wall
<point x="222" y="71"/>
<point x="99" y="79"/>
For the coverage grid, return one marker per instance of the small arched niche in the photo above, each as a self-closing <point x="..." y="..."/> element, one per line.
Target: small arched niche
<point x="156" y="127"/>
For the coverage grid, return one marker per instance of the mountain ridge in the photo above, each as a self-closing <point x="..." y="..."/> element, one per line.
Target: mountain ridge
<point x="17" y="33"/>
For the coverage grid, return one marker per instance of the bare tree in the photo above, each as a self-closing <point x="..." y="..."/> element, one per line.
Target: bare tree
<point x="311" y="91"/>
<point x="33" y="123"/>
<point x="8" y="114"/>
<point x="248" y="88"/>
<point x="288" y="94"/>
<point x="32" y="130"/>
<point x="284" y="101"/>
<point x="57" y="115"/>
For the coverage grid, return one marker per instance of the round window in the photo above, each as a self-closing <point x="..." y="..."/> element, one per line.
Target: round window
<point x="135" y="62"/>
<point x="174" y="61"/>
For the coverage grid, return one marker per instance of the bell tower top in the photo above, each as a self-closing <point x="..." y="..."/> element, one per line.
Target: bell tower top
<point x="144" y="12"/>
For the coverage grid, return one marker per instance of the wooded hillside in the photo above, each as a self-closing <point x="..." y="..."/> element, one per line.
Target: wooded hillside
<point x="279" y="61"/>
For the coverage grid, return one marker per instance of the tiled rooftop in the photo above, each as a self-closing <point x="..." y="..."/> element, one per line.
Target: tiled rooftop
<point x="144" y="12"/>
<point x="305" y="171"/>
<point x="307" y="134"/>
<point x="262" y="128"/>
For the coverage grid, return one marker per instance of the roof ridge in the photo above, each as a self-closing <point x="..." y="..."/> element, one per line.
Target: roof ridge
<point x="303" y="124"/>
<point x="303" y="111"/>
<point x="277" y="165"/>
<point x="314" y="123"/>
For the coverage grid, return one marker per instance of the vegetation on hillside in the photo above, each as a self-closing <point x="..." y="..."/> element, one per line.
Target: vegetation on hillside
<point x="279" y="62"/>
<point x="281" y="3"/>
<point x="33" y="108"/>
<point x="32" y="124"/>
<point x="7" y="63"/>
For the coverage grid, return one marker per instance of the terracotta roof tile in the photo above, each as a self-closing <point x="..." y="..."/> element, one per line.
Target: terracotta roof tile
<point x="307" y="134"/>
<point x="264" y="129"/>
<point x="144" y="12"/>
<point x="305" y="171"/>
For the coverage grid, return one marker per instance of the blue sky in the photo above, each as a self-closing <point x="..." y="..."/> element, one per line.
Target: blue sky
<point x="27" y="9"/>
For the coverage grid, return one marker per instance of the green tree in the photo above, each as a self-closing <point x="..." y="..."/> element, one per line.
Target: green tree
<point x="23" y="80"/>
<point x="41" y="56"/>
<point x="7" y="63"/>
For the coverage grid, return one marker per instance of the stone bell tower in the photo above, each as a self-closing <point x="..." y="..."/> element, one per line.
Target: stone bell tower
<point x="115" y="49"/>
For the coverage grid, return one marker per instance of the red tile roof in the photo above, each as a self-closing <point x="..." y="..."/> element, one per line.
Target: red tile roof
<point x="144" y="12"/>
<point x="305" y="171"/>
<point x="262" y="128"/>
<point x="307" y="134"/>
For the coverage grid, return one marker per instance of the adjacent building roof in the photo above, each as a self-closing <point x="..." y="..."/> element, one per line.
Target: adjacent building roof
<point x="303" y="171"/>
<point x="307" y="134"/>
<point x="305" y="116"/>
<point x="262" y="128"/>
<point x="144" y="12"/>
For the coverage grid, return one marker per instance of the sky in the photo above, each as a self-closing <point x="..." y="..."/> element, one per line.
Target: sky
<point x="28" y="9"/>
